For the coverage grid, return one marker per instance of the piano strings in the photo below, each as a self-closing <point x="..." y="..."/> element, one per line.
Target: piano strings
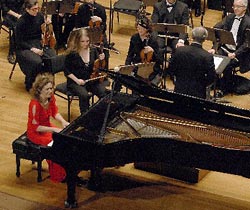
<point x="136" y="124"/>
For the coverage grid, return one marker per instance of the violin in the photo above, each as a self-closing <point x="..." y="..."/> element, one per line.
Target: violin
<point x="48" y="35"/>
<point x="99" y="64"/>
<point x="146" y="57"/>
<point x="48" y="38"/>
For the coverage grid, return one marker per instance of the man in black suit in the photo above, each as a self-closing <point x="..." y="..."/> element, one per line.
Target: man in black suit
<point x="173" y="12"/>
<point x="237" y="23"/>
<point x="192" y="66"/>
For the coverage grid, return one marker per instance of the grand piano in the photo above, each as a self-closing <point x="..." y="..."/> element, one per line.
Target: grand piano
<point x="152" y="125"/>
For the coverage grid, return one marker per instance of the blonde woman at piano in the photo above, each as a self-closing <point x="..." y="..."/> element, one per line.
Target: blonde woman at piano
<point x="39" y="129"/>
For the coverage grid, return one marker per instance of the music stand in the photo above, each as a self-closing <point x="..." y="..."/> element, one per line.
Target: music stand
<point x="219" y="36"/>
<point x="58" y="6"/>
<point x="169" y="28"/>
<point x="142" y="70"/>
<point x="224" y="37"/>
<point x="220" y="61"/>
<point x="169" y="31"/>
<point x="211" y="34"/>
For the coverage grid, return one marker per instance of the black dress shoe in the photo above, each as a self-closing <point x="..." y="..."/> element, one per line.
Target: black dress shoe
<point x="197" y="12"/>
<point x="11" y="58"/>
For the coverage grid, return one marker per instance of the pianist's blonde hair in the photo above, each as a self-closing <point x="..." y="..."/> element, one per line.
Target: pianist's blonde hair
<point x="40" y="81"/>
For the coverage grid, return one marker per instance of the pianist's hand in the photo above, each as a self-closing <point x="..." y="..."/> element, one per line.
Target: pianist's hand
<point x="65" y="124"/>
<point x="57" y="130"/>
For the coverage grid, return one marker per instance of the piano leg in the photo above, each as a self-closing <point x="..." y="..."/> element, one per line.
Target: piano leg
<point x="71" y="188"/>
<point x="39" y="168"/>
<point x="95" y="180"/>
<point x="17" y="165"/>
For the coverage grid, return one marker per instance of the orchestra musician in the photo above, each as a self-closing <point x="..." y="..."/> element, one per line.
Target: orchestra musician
<point x="192" y="66"/>
<point x="173" y="12"/>
<point x="39" y="128"/>
<point x="92" y="14"/>
<point x="11" y="11"/>
<point x="79" y="67"/>
<point x="30" y="49"/>
<point x="142" y="44"/>
<point x="63" y="24"/>
<point x="237" y="22"/>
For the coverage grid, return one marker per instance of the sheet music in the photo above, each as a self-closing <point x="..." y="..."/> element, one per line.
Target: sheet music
<point x="220" y="63"/>
<point x="217" y="61"/>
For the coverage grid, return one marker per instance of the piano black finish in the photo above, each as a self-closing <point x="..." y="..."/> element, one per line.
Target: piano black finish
<point x="81" y="146"/>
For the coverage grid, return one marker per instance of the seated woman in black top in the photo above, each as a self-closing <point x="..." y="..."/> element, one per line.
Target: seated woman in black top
<point x="146" y="42"/>
<point x="79" y="63"/>
<point x="30" y="51"/>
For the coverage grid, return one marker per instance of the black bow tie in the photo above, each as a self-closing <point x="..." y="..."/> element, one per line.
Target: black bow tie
<point x="170" y="5"/>
<point x="238" y="18"/>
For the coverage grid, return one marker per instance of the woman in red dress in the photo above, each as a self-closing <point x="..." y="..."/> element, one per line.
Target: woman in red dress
<point x="39" y="128"/>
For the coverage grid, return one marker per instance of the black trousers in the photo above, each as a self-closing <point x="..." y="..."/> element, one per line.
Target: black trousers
<point x="32" y="64"/>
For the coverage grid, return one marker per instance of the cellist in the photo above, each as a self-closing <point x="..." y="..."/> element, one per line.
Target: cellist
<point x="30" y="49"/>
<point x="144" y="48"/>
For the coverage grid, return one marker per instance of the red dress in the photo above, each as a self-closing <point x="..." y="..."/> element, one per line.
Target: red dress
<point x="37" y="116"/>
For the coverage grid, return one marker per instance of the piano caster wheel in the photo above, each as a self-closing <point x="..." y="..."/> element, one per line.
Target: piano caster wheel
<point x="70" y="205"/>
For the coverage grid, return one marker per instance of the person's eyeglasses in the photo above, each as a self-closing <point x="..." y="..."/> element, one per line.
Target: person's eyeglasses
<point x="34" y="9"/>
<point x="237" y="6"/>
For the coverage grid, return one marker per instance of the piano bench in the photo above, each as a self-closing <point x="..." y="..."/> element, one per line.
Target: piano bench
<point x="25" y="149"/>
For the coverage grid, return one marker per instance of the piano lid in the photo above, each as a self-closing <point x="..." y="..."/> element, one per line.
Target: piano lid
<point x="145" y="88"/>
